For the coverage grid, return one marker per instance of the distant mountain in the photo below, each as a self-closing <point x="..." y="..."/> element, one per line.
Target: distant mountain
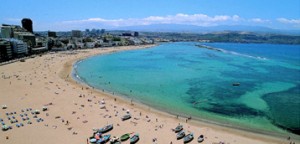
<point x="201" y="29"/>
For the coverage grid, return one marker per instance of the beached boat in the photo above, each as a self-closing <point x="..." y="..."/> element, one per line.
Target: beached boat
<point x="37" y="112"/>
<point x="135" y="138"/>
<point x="126" y="117"/>
<point x="180" y="135"/>
<point x="188" y="138"/>
<point x="115" y="140"/>
<point x="103" y="139"/>
<point x="93" y="140"/>
<point x="4" y="107"/>
<point x="5" y="127"/>
<point x="178" y="128"/>
<point x="200" y="138"/>
<point x="44" y="108"/>
<point x="106" y="128"/>
<point x="125" y="137"/>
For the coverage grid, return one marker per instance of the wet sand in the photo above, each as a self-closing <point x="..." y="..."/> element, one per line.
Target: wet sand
<point x="74" y="109"/>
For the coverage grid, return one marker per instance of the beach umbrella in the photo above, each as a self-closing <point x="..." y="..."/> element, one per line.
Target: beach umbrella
<point x="102" y="102"/>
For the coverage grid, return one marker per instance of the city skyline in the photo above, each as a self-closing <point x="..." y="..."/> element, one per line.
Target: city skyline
<point x="67" y="15"/>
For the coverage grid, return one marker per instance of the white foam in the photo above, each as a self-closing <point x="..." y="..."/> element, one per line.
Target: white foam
<point x="240" y="54"/>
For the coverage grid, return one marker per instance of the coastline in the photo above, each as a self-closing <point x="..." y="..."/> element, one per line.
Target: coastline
<point x="181" y="118"/>
<point x="67" y="86"/>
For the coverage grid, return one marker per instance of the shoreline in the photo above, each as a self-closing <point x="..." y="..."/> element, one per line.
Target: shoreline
<point x="197" y="122"/>
<point x="73" y="108"/>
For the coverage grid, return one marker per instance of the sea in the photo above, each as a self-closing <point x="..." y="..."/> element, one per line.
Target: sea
<point x="248" y="86"/>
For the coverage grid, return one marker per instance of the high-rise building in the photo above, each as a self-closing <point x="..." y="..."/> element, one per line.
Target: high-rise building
<point x="76" y="33"/>
<point x="6" y="31"/>
<point x="136" y="34"/>
<point x="27" y="24"/>
<point x="5" y="50"/>
<point x="19" y="48"/>
<point x="52" y="34"/>
<point x="15" y="31"/>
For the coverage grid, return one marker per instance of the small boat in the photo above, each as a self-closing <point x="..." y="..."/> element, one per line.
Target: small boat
<point x="5" y="128"/>
<point x="126" y="117"/>
<point x="93" y="140"/>
<point x="115" y="140"/>
<point x="125" y="137"/>
<point x="45" y="108"/>
<point x="4" y="107"/>
<point x="180" y="135"/>
<point x="200" y="138"/>
<point x="37" y="112"/>
<point x="188" y="138"/>
<point x="106" y="128"/>
<point x="178" y="128"/>
<point x="135" y="138"/>
<point x="103" y="139"/>
<point x="236" y="84"/>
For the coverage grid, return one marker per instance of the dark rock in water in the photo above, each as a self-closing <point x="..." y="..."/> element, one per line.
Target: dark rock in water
<point x="292" y="130"/>
<point x="233" y="110"/>
<point x="284" y="109"/>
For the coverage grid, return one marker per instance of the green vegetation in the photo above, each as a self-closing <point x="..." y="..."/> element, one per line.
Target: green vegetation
<point x="235" y="37"/>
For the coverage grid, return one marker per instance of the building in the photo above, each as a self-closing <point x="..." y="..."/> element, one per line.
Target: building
<point x="90" y="44"/>
<point x="126" y="34"/>
<point x="19" y="48"/>
<point x="5" y="50"/>
<point x="134" y="41"/>
<point x="52" y="34"/>
<point x="76" y="33"/>
<point x="136" y="34"/>
<point x="87" y="31"/>
<point x="27" y="37"/>
<point x="79" y="45"/>
<point x="17" y="32"/>
<point x="6" y="31"/>
<point x="27" y="24"/>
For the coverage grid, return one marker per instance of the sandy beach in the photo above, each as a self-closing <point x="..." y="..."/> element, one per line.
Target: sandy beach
<point x="74" y="109"/>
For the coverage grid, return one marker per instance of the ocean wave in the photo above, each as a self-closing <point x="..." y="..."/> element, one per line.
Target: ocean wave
<point x="231" y="52"/>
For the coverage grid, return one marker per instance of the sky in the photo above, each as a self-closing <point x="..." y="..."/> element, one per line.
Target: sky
<point x="61" y="15"/>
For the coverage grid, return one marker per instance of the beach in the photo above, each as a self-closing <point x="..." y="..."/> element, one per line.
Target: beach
<point x="73" y="108"/>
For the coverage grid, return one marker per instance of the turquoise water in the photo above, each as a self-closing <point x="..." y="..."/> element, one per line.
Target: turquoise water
<point x="184" y="79"/>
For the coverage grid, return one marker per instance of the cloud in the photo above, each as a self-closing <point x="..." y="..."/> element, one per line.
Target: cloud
<point x="180" y="18"/>
<point x="289" y="21"/>
<point x="194" y="19"/>
<point x="259" y="20"/>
